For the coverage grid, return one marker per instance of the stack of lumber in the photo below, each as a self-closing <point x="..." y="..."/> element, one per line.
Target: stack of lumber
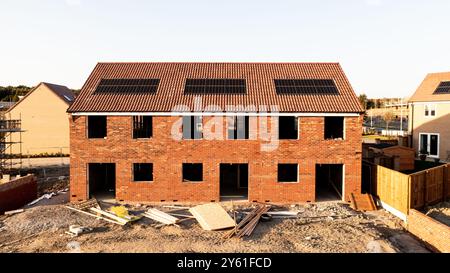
<point x="160" y="216"/>
<point x="248" y="224"/>
<point x="362" y="202"/>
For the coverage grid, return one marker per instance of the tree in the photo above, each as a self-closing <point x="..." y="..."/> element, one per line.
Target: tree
<point x="11" y="93"/>
<point x="363" y="101"/>
<point x="388" y="117"/>
<point x="370" y="104"/>
<point x="379" y="103"/>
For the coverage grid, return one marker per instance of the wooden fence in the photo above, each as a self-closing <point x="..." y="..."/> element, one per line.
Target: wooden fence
<point x="430" y="186"/>
<point x="399" y="192"/>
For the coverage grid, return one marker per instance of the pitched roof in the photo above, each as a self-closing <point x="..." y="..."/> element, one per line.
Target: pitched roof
<point x="259" y="82"/>
<point x="428" y="86"/>
<point x="61" y="91"/>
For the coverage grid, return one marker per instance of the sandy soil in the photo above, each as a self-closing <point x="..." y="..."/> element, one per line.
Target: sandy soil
<point x="42" y="229"/>
<point x="440" y="212"/>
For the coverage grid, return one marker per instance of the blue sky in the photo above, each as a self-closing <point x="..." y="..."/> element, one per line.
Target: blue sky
<point x="386" y="47"/>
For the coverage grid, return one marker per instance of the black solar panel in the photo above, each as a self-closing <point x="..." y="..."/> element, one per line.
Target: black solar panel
<point x="443" y="88"/>
<point x="127" y="86"/>
<point x="306" y="86"/>
<point x="215" y="86"/>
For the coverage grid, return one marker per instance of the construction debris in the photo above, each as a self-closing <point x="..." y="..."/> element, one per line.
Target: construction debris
<point x="362" y="202"/>
<point x="122" y="212"/>
<point x="93" y="206"/>
<point x="212" y="217"/>
<point x="76" y="230"/>
<point x="45" y="196"/>
<point x="86" y="204"/>
<point x="12" y="212"/>
<point x="283" y="213"/>
<point x="160" y="216"/>
<point x="248" y="224"/>
<point x="110" y="215"/>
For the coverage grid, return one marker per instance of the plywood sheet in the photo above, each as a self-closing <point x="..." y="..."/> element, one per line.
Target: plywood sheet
<point x="212" y="217"/>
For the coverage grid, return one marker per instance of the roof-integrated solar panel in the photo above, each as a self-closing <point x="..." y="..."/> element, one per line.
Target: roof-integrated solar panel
<point x="443" y="88"/>
<point x="127" y="86"/>
<point x="215" y="86"/>
<point x="305" y="86"/>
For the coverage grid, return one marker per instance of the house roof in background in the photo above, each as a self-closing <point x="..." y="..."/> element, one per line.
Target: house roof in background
<point x="426" y="89"/>
<point x="61" y="91"/>
<point x="260" y="87"/>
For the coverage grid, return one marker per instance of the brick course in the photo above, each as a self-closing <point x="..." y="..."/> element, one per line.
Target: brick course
<point x="167" y="156"/>
<point x="17" y="193"/>
<point x="434" y="233"/>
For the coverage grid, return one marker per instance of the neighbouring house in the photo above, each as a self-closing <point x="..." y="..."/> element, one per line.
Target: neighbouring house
<point x="206" y="132"/>
<point x="44" y="119"/>
<point x="429" y="117"/>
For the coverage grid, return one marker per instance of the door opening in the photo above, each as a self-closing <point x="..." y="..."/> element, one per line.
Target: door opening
<point x="329" y="182"/>
<point x="233" y="182"/>
<point x="102" y="180"/>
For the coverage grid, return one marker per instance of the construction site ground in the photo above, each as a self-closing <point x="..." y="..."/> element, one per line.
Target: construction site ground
<point x="440" y="212"/>
<point x="321" y="227"/>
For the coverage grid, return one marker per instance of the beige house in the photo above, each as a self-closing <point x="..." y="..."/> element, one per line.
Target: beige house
<point x="429" y="116"/>
<point x="44" y="120"/>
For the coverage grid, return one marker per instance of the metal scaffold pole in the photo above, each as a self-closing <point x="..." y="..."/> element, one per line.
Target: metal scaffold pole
<point x="8" y="160"/>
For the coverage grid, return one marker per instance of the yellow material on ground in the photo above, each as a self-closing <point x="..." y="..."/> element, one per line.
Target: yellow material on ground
<point x="120" y="211"/>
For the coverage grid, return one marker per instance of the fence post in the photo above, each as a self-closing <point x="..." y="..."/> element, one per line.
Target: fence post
<point x="445" y="182"/>
<point x="408" y="200"/>
<point x="425" y="184"/>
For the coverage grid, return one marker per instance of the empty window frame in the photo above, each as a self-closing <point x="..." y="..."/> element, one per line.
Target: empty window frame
<point x="288" y="128"/>
<point x="287" y="173"/>
<point x="142" y="127"/>
<point x="192" y="172"/>
<point x="443" y="88"/>
<point x="127" y="86"/>
<point x="192" y="127"/>
<point x="215" y="86"/>
<point x="334" y="128"/>
<point x="238" y="127"/>
<point x="305" y="86"/>
<point x="96" y="127"/>
<point x="142" y="172"/>
<point x="430" y="110"/>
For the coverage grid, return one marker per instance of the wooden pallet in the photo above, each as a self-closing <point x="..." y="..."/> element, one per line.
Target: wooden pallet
<point x="85" y="204"/>
<point x="362" y="202"/>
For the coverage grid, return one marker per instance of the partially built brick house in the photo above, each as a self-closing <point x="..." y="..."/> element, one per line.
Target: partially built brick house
<point x="202" y="132"/>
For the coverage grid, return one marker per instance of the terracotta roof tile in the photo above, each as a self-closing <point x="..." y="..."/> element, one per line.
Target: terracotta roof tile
<point x="259" y="79"/>
<point x="428" y="86"/>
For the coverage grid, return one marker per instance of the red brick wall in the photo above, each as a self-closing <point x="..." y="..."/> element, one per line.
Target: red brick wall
<point x="17" y="193"/>
<point x="434" y="233"/>
<point x="167" y="156"/>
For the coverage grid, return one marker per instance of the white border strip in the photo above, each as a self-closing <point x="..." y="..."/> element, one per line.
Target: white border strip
<point x="268" y="114"/>
<point x="394" y="211"/>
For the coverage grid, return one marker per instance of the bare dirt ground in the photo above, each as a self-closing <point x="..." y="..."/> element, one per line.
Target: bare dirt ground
<point x="42" y="229"/>
<point x="440" y="212"/>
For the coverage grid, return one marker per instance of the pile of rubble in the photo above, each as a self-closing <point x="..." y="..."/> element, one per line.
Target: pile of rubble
<point x="440" y="212"/>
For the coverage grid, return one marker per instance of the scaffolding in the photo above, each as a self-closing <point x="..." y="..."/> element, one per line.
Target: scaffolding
<point x="8" y="160"/>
